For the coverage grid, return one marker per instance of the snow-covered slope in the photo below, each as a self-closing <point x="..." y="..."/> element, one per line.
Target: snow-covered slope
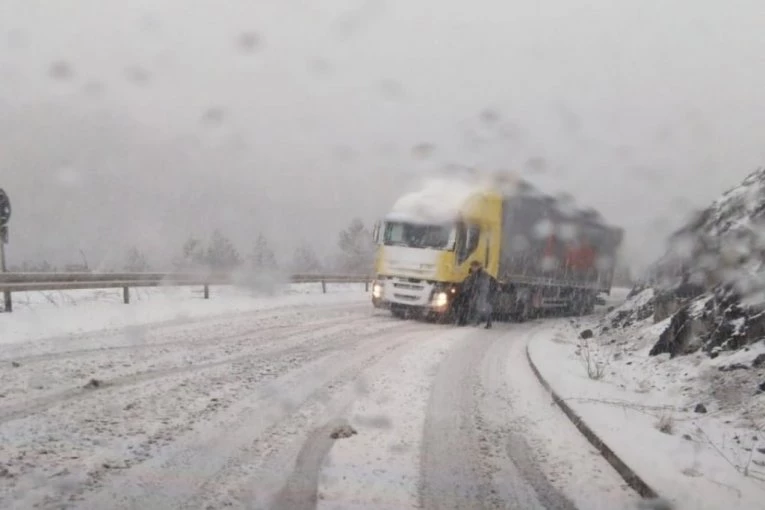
<point x="711" y="404"/>
<point x="725" y="243"/>
<point x="711" y="281"/>
<point x="706" y="296"/>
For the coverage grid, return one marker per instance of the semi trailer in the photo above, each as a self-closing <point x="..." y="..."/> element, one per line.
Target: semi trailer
<point x="546" y="254"/>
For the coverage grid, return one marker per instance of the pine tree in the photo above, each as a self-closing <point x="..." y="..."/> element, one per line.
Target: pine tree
<point x="357" y="248"/>
<point x="305" y="261"/>
<point x="262" y="257"/>
<point x="135" y="261"/>
<point x="192" y="256"/>
<point x="221" y="253"/>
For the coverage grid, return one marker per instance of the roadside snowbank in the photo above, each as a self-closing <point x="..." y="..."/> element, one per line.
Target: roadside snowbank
<point x="39" y="315"/>
<point x="694" y="436"/>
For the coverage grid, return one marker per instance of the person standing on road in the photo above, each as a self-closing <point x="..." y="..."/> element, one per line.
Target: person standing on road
<point x="479" y="287"/>
<point x="465" y="299"/>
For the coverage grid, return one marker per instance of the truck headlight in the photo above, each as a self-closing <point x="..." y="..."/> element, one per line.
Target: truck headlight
<point x="441" y="299"/>
<point x="377" y="290"/>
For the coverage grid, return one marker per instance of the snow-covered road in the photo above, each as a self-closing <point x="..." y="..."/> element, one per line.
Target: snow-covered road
<point x="327" y="405"/>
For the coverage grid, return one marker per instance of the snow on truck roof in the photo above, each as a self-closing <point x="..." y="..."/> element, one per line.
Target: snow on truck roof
<point x="440" y="200"/>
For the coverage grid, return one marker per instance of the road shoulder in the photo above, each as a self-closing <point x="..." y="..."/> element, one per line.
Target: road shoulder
<point x="681" y="469"/>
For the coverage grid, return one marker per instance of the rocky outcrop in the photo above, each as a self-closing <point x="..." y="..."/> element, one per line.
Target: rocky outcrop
<point x="641" y="305"/>
<point x="714" y="322"/>
<point x="710" y="285"/>
<point x="665" y="305"/>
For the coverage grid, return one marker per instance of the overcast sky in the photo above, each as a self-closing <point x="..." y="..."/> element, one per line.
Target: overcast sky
<point x="143" y="122"/>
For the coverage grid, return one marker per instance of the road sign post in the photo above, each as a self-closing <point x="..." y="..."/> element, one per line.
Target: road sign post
<point x="8" y="304"/>
<point x="5" y="216"/>
<point x="5" y="208"/>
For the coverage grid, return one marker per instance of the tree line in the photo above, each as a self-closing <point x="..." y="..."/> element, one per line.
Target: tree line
<point x="354" y="255"/>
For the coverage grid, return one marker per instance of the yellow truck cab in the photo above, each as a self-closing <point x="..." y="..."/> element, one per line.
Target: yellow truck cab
<point x="422" y="258"/>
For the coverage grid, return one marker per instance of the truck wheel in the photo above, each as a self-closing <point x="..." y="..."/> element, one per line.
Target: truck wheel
<point x="398" y="313"/>
<point x="446" y="317"/>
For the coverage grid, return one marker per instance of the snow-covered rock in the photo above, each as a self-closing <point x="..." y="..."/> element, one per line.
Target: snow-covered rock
<point x="724" y="245"/>
<point x="711" y="281"/>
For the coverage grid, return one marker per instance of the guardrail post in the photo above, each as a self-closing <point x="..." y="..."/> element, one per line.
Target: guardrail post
<point x="207" y="291"/>
<point x="126" y="295"/>
<point x="366" y="285"/>
<point x="323" y="287"/>
<point x="7" y="303"/>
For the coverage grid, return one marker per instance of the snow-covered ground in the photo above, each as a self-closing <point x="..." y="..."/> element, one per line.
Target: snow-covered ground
<point x="649" y="409"/>
<point x="287" y="402"/>
<point x="488" y="436"/>
<point x="59" y="313"/>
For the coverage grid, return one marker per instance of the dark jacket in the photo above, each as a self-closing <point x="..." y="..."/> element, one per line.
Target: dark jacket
<point x="468" y="284"/>
<point x="479" y="288"/>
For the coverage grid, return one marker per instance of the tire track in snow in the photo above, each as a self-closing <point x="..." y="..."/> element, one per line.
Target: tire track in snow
<point x="33" y="406"/>
<point x="175" y="477"/>
<point x="159" y="330"/>
<point x="379" y="467"/>
<point x="513" y="466"/>
<point x="452" y="473"/>
<point x="276" y="454"/>
<point x="74" y="441"/>
<point x="41" y="377"/>
<point x="301" y="490"/>
<point x="467" y="457"/>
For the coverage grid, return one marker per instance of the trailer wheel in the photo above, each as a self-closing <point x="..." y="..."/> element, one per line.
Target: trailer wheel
<point x="582" y="304"/>
<point x="521" y="313"/>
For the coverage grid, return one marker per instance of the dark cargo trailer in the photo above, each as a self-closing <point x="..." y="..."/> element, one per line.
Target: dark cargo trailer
<point x="555" y="251"/>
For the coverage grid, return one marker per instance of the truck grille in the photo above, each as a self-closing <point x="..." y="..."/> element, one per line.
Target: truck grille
<point x="407" y="286"/>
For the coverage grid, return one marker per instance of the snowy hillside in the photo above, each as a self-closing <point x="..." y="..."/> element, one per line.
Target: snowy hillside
<point x="711" y="282"/>
<point x="692" y="341"/>
<point x="724" y="244"/>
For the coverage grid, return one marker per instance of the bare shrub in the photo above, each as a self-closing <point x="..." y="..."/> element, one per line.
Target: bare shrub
<point x="666" y="424"/>
<point x="644" y="386"/>
<point x="592" y="359"/>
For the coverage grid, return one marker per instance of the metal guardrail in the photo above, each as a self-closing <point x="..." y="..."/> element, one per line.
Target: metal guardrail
<point x="28" y="282"/>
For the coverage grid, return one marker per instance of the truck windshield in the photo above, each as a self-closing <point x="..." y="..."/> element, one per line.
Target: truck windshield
<point x="412" y="235"/>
